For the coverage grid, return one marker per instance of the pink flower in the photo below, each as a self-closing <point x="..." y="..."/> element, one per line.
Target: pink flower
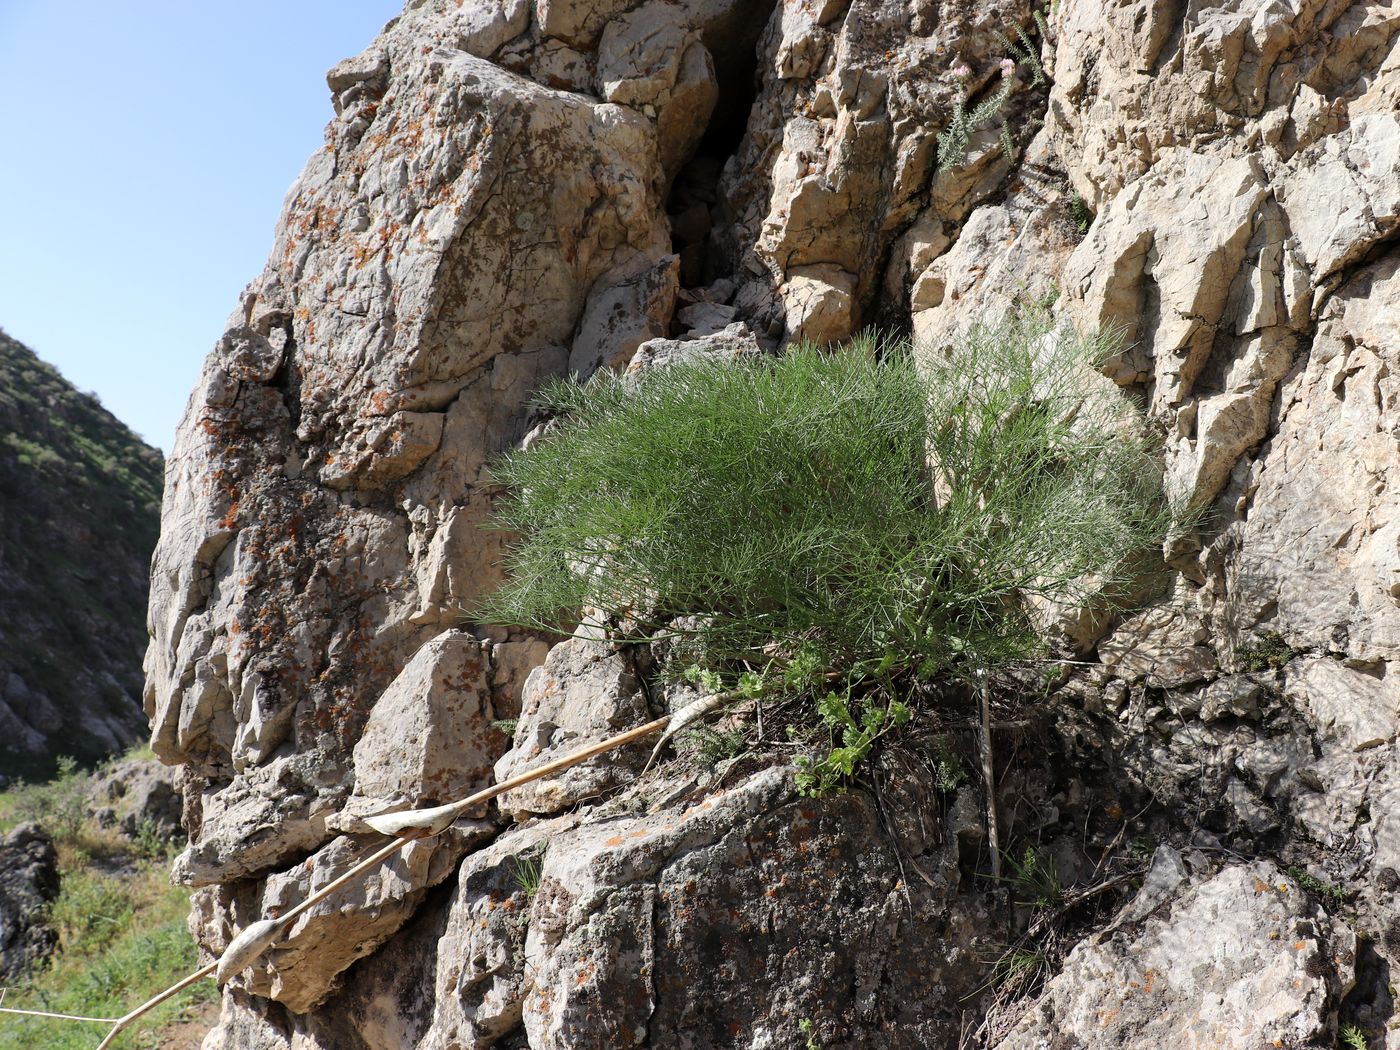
<point x="1007" y="67"/>
<point x="961" y="70"/>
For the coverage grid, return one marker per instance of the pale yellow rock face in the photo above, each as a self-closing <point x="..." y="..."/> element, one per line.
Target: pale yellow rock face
<point x="515" y="189"/>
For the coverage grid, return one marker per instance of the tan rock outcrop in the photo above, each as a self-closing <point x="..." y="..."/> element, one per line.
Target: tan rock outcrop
<point x="515" y="189"/>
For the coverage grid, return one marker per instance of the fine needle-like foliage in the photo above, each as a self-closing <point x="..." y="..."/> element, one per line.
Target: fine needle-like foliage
<point x="853" y="518"/>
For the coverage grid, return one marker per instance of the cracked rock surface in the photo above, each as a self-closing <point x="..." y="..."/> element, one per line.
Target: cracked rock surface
<point x="513" y="189"/>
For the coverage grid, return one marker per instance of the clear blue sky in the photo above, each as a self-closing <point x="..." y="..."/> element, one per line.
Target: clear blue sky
<point x="145" y="148"/>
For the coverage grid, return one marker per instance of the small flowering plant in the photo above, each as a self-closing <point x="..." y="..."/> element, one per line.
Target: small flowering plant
<point x="953" y="140"/>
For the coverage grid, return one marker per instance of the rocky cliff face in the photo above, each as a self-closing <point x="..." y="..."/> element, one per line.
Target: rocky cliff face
<point x="79" y="503"/>
<point x="515" y="188"/>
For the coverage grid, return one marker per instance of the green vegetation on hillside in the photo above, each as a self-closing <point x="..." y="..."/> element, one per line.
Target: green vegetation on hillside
<point x="121" y="927"/>
<point x="79" y="515"/>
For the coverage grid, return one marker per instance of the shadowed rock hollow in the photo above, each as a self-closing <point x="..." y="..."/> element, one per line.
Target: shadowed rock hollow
<point x="511" y="190"/>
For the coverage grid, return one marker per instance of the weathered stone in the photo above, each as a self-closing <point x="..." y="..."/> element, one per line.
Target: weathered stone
<point x="139" y="795"/>
<point x="652" y="59"/>
<point x="1238" y="960"/>
<point x="819" y="304"/>
<point x="1236" y="696"/>
<point x="256" y="822"/>
<point x="1317" y="550"/>
<point x="585" y="692"/>
<point x="28" y="885"/>
<point x="734" y="340"/>
<point x="301" y="970"/>
<point x="330" y="477"/>
<point x="1348" y="706"/>
<point x="430" y="737"/>
<point x="1166" y="644"/>
<point x="623" y="311"/>
<point x="518" y="188"/>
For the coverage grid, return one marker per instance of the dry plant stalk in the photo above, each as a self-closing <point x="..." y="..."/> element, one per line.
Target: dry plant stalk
<point x="989" y="779"/>
<point x="405" y="826"/>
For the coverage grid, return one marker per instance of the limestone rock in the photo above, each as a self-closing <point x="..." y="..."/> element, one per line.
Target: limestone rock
<point x="820" y="305"/>
<point x="1349" y="707"/>
<point x="1238" y="960"/>
<point x="431" y="269"/>
<point x="1316" y="556"/>
<point x="136" y="795"/>
<point x="733" y="340"/>
<point x="614" y="943"/>
<point x="652" y="59"/>
<point x="258" y="821"/>
<point x="514" y="189"/>
<point x="585" y="692"/>
<point x="802" y="896"/>
<point x="428" y="739"/>
<point x="302" y="969"/>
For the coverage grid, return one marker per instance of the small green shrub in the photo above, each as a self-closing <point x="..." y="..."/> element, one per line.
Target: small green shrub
<point x="712" y="746"/>
<point x="953" y="140"/>
<point x="849" y="523"/>
<point x="57" y="806"/>
<point x="1351" y="1037"/>
<point x="1079" y="213"/>
<point x="854" y="726"/>
<point x="148" y="842"/>
<point x="1020" y="967"/>
<point x="1268" y="653"/>
<point x="1326" y="892"/>
<point x="949" y="771"/>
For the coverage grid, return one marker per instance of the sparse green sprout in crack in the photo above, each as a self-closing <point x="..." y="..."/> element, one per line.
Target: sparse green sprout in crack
<point x="1269" y="652"/>
<point x="838" y="528"/>
<point x="949" y="771"/>
<point x="528" y="871"/>
<point x="1019" y="968"/>
<point x="853" y="734"/>
<point x="1079" y="212"/>
<point x="1034" y="879"/>
<point x="712" y="746"/>
<point x="1322" y="890"/>
<point x="1351" y="1037"/>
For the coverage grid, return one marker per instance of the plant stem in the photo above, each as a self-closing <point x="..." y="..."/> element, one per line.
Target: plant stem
<point x="61" y="1017"/>
<point x="989" y="778"/>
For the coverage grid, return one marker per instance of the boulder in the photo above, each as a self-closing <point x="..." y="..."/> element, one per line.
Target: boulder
<point x="1237" y="959"/>
<point x="138" y="796"/>
<point x="585" y="692"/>
<point x="29" y="883"/>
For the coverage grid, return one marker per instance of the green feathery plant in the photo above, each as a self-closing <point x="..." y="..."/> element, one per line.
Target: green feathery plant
<point x="842" y="526"/>
<point x="953" y="140"/>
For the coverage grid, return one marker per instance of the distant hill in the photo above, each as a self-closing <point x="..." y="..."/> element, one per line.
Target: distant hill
<point x="79" y="515"/>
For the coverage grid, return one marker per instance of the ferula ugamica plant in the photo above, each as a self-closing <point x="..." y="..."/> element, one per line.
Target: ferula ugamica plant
<point x="843" y="524"/>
